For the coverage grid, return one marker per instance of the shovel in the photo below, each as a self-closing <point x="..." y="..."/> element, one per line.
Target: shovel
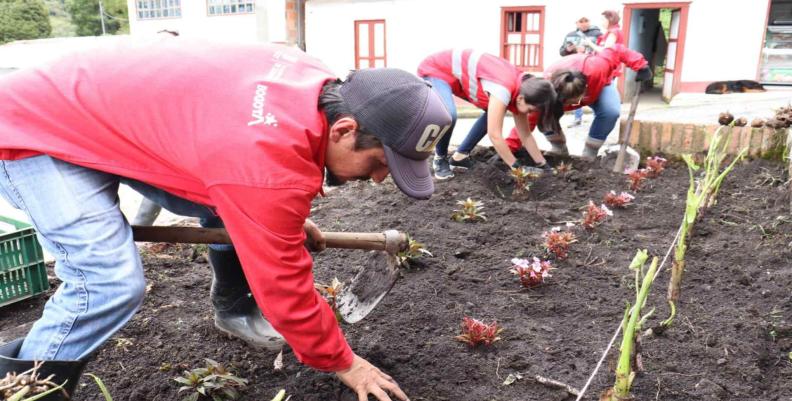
<point x="356" y="299"/>
<point x="618" y="167"/>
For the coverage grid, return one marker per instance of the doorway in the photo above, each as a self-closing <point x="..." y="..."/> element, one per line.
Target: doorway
<point x="656" y="30"/>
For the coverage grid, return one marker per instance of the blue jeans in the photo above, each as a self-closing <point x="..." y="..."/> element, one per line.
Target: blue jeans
<point x="477" y="132"/>
<point x="447" y="96"/>
<point x="75" y="211"/>
<point x="607" y="110"/>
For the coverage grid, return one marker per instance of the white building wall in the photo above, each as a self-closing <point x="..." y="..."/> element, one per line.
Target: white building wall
<point x="195" y="21"/>
<point x="723" y="36"/>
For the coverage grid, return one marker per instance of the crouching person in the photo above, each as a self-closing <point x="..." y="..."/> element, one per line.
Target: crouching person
<point x="239" y="135"/>
<point x="587" y="80"/>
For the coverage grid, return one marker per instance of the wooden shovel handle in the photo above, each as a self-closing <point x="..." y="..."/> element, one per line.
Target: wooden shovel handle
<point x="391" y="241"/>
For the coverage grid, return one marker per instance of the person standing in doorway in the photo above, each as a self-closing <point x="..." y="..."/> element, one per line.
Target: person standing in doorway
<point x="574" y="44"/>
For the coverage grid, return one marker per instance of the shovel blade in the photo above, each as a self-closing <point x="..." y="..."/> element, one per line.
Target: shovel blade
<point x="358" y="298"/>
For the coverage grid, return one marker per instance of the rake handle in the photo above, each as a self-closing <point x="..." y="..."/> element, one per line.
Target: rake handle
<point x="391" y="241"/>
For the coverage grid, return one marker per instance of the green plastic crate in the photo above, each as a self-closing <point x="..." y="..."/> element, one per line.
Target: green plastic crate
<point x="22" y="270"/>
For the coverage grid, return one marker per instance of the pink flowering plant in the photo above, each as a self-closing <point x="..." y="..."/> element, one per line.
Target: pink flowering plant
<point x="594" y="215"/>
<point x="531" y="272"/>
<point x="655" y="165"/>
<point x="476" y="332"/>
<point x="557" y="242"/>
<point x="636" y="178"/>
<point x="620" y="201"/>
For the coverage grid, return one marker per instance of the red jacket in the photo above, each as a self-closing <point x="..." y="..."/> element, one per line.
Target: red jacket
<point x="598" y="69"/>
<point x="463" y="70"/>
<point x="235" y="127"/>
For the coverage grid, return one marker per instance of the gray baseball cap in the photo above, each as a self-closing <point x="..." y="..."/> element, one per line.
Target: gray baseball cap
<point x="405" y="114"/>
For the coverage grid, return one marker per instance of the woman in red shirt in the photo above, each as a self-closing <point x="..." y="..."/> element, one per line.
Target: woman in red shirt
<point x="587" y="80"/>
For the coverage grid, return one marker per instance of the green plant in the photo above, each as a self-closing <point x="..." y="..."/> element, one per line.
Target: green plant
<point x="23" y="19"/>
<point x="102" y="387"/>
<point x="701" y="195"/>
<point x="631" y="325"/>
<point x="470" y="210"/>
<point x="522" y="177"/>
<point x="213" y="382"/>
<point x="415" y="250"/>
<point x="279" y="397"/>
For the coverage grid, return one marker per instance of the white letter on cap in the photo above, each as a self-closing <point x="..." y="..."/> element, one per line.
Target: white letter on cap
<point x="431" y="135"/>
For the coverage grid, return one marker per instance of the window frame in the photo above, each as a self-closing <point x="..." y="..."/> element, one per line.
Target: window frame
<point x="139" y="11"/>
<point x="372" y="58"/>
<point x="229" y="3"/>
<point x="523" y="32"/>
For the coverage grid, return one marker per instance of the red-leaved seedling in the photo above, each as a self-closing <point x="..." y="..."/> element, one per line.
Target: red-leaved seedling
<point x="594" y="215"/>
<point x="475" y="332"/>
<point x="655" y="165"/>
<point x="621" y="200"/>
<point x="531" y="272"/>
<point x="636" y="177"/>
<point x="557" y="242"/>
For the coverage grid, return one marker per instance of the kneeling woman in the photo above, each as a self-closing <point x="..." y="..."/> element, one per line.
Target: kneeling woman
<point x="495" y="86"/>
<point x="587" y="80"/>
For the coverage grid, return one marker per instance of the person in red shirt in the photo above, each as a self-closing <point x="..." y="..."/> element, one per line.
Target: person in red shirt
<point x="243" y="133"/>
<point x="613" y="36"/>
<point x="587" y="80"/>
<point x="495" y="86"/>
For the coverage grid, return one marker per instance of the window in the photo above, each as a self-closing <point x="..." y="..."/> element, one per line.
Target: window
<point x="370" y="44"/>
<point x="522" y="38"/>
<point x="152" y="9"/>
<point x="229" y="7"/>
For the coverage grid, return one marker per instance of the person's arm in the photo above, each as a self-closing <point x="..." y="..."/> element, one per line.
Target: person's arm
<point x="610" y="41"/>
<point x="496" y="112"/>
<point x="268" y="229"/>
<point x="525" y="131"/>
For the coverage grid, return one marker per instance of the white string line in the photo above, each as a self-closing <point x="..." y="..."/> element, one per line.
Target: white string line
<point x="618" y="329"/>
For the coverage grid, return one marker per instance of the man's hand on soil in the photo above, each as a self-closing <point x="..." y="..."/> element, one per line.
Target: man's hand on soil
<point x="314" y="238"/>
<point x="364" y="379"/>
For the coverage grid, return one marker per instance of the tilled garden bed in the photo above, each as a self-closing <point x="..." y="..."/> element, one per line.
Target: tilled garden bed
<point x="731" y="340"/>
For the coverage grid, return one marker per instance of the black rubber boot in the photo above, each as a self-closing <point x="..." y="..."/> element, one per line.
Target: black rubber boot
<point x="63" y="371"/>
<point x="236" y="312"/>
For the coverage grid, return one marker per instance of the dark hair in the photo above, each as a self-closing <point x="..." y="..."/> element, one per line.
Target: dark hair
<point x="332" y="104"/>
<point x="568" y="84"/>
<point x="612" y="17"/>
<point x="540" y="93"/>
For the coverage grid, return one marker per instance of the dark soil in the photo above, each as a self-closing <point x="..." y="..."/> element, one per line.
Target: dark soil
<point x="731" y="339"/>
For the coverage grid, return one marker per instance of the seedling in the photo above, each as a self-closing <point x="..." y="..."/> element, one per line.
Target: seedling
<point x="620" y="201"/>
<point x="531" y="272"/>
<point x="557" y="242"/>
<point x="212" y="382"/>
<point x="522" y="177"/>
<point x="631" y="326"/>
<point x="123" y="344"/>
<point x="330" y="294"/>
<point x="476" y="332"/>
<point x="595" y="215"/>
<point x="563" y="168"/>
<point x="102" y="387"/>
<point x="701" y="195"/>
<point x="415" y="250"/>
<point x="655" y="165"/>
<point x="636" y="178"/>
<point x="470" y="210"/>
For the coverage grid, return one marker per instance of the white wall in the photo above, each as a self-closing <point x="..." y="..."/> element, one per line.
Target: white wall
<point x="723" y="38"/>
<point x="196" y="22"/>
